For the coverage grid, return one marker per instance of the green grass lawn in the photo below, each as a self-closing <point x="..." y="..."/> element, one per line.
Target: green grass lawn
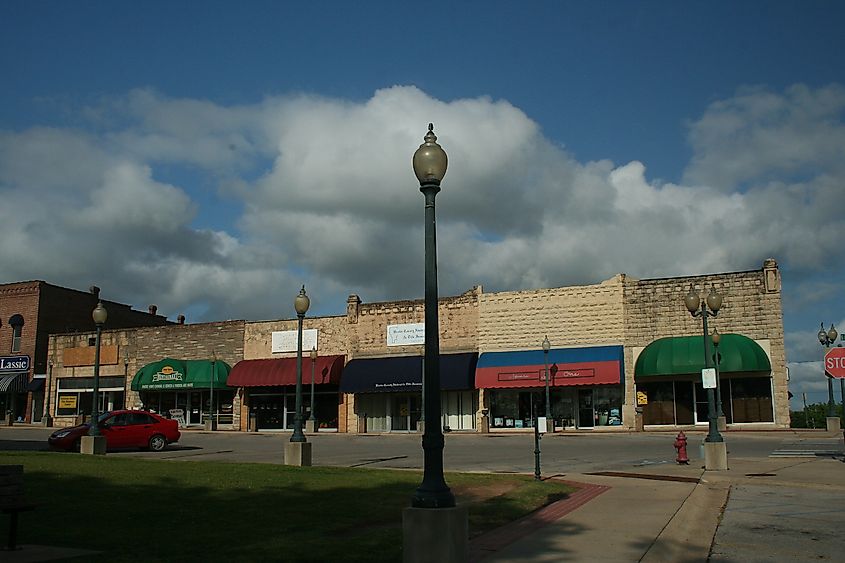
<point x="154" y="510"/>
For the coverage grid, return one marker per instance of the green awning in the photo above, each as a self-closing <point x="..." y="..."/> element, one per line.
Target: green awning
<point x="684" y="355"/>
<point x="170" y="374"/>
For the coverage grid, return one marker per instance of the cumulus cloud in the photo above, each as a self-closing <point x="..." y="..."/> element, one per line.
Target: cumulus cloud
<point x="323" y="193"/>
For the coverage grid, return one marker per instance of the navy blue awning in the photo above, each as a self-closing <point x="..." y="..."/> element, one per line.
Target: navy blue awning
<point x="404" y="373"/>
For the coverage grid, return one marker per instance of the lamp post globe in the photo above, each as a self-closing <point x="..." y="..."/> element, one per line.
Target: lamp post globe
<point x="300" y="304"/>
<point x="430" y="163"/>
<point x="99" y="315"/>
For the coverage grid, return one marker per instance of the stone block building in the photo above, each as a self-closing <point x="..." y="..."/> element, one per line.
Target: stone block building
<point x="606" y="356"/>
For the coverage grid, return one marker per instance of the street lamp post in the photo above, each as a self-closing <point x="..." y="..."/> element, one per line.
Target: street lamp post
<point x="48" y="420"/>
<point x="717" y="359"/>
<point x="301" y="304"/>
<point x="715" y="450"/>
<point x="705" y="308"/>
<point x="434" y="528"/>
<point x="311" y="423"/>
<point x="298" y="449"/>
<point x="94" y="442"/>
<point x="430" y="162"/>
<point x="827" y="339"/>
<point x="546" y="347"/>
<point x="99" y="315"/>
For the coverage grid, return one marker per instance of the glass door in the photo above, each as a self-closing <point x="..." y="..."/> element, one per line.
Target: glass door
<point x="701" y="411"/>
<point x="586" y="416"/>
<point x="400" y="413"/>
<point x="194" y="407"/>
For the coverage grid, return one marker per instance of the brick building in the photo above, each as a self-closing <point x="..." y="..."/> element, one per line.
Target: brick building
<point x="202" y="355"/>
<point x="614" y="348"/>
<point x="29" y="312"/>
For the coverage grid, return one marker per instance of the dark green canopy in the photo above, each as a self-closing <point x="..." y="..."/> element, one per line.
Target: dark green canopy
<point x="684" y="355"/>
<point x="170" y="374"/>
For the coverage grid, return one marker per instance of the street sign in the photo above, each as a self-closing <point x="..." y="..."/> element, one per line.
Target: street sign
<point x="708" y="378"/>
<point x="834" y="362"/>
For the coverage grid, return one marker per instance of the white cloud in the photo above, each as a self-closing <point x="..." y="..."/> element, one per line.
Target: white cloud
<point x="329" y="199"/>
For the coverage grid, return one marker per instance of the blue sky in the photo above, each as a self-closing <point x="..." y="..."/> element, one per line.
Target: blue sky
<point x="211" y="156"/>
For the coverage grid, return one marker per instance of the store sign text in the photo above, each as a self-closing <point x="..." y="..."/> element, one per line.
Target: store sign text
<point x="286" y="341"/>
<point x="412" y="334"/>
<point x="14" y="363"/>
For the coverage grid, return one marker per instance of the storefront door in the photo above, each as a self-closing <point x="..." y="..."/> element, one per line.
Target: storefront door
<point x="701" y="404"/>
<point x="404" y="413"/>
<point x="194" y="407"/>
<point x="586" y="416"/>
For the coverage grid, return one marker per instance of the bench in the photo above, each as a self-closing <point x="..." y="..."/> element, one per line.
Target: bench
<point x="12" y="499"/>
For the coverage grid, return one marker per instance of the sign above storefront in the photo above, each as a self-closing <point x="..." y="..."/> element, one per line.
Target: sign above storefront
<point x="412" y="334"/>
<point x="14" y="363"/>
<point x="285" y="341"/>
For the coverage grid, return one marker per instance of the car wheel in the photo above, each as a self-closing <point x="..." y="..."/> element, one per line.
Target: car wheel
<point x="157" y="443"/>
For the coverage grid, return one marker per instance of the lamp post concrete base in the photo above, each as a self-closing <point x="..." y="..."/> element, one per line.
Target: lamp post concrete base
<point x="298" y="453"/>
<point x="310" y="426"/>
<point x="715" y="456"/>
<point x="485" y="424"/>
<point x="421" y="426"/>
<point x="722" y="423"/>
<point x="639" y="421"/>
<point x="833" y="424"/>
<point x="435" y="534"/>
<point x="93" y="445"/>
<point x="47" y="421"/>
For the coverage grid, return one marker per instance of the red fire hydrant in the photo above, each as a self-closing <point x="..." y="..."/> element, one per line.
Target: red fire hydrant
<point x="681" y="446"/>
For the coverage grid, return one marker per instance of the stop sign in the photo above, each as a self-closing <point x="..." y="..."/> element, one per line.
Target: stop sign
<point x="834" y="362"/>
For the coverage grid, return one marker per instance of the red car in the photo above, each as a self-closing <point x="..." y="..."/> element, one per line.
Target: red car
<point x="122" y="429"/>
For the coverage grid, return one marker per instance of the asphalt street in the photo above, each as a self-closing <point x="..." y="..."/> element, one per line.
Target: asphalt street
<point x="561" y="453"/>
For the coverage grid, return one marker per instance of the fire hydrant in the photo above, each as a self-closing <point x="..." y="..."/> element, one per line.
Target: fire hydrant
<point x="681" y="446"/>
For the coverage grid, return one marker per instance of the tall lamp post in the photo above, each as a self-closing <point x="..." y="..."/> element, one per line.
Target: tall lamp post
<point x="94" y="442"/>
<point x="430" y="162"/>
<point x="715" y="457"/>
<point x="441" y="534"/>
<point x="716" y="338"/>
<point x="298" y="449"/>
<point x="827" y="339"/>
<point x="301" y="304"/>
<point x="311" y="423"/>
<point x="48" y="420"/>
<point x="546" y="347"/>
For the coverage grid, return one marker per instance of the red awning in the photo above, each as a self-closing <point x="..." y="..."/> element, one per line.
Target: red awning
<point x="282" y="371"/>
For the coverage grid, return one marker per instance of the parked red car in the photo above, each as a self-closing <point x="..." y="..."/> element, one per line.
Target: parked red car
<point x="122" y="429"/>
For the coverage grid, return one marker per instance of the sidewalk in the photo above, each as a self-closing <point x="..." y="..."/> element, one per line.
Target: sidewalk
<point x="762" y="509"/>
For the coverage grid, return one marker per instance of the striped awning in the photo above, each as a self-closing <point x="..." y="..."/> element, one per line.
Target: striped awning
<point x="13" y="382"/>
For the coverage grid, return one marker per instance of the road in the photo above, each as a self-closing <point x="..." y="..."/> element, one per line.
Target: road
<point x="561" y="453"/>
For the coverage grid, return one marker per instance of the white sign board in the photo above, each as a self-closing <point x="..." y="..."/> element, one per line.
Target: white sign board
<point x="285" y="341"/>
<point x="708" y="378"/>
<point x="542" y="424"/>
<point x="406" y="335"/>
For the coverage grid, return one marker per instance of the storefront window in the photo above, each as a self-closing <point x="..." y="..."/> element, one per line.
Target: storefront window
<point x="751" y="399"/>
<point x="608" y="406"/>
<point x="515" y="409"/>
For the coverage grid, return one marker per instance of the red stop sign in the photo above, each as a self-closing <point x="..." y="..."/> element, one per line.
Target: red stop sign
<point x="834" y="362"/>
